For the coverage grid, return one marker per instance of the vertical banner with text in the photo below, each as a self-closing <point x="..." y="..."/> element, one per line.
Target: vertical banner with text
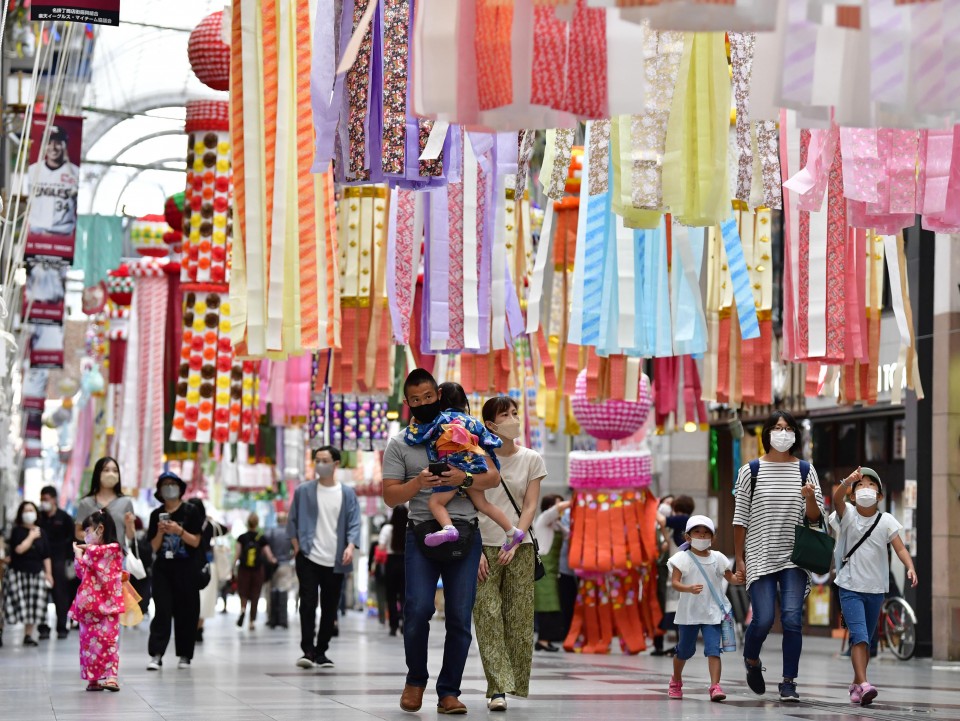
<point x="53" y="181"/>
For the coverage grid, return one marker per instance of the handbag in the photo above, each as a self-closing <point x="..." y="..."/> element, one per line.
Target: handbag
<point x="451" y="551"/>
<point x="728" y="629"/>
<point x="539" y="570"/>
<point x="812" y="548"/>
<point x="134" y="564"/>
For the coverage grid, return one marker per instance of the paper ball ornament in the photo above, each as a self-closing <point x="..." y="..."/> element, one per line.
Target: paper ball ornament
<point x="146" y="236"/>
<point x="611" y="420"/>
<point x="209" y="55"/>
<point x="120" y="286"/>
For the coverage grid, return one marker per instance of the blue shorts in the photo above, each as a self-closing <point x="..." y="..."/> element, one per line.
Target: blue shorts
<point x="687" y="645"/>
<point x="861" y="611"/>
<point x="445" y="489"/>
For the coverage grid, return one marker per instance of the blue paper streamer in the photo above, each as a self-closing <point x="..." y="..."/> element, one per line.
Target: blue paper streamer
<point x="740" y="277"/>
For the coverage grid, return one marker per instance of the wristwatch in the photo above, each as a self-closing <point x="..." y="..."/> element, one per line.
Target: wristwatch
<point x="468" y="481"/>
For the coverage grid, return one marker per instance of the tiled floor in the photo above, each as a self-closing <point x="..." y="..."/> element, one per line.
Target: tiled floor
<point x="242" y="676"/>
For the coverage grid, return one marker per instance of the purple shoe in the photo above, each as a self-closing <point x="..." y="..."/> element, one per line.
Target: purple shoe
<point x="447" y="535"/>
<point x="868" y="692"/>
<point x="855" y="693"/>
<point x="515" y="541"/>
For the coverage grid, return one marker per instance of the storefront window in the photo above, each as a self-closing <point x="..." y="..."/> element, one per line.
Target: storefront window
<point x="875" y="449"/>
<point x="847" y="448"/>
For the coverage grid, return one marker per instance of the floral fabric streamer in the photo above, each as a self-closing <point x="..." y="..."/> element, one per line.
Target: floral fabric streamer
<point x="663" y="51"/>
<point x="741" y="57"/>
<point x="396" y="29"/>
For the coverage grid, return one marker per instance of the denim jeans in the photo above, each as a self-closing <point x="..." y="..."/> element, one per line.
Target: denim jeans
<point x="789" y="586"/>
<point x="861" y="611"/>
<point x="687" y="644"/>
<point x="459" y="592"/>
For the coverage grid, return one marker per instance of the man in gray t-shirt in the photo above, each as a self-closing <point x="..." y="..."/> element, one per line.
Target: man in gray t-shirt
<point x="407" y="462"/>
<point x="407" y="479"/>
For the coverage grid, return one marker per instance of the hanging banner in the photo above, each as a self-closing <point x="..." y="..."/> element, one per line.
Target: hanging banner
<point x="43" y="295"/>
<point x="46" y="346"/>
<point x="53" y="180"/>
<point x="34" y="389"/>
<point x="97" y="12"/>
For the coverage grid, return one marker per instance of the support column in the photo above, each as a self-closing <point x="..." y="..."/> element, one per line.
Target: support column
<point x="942" y="512"/>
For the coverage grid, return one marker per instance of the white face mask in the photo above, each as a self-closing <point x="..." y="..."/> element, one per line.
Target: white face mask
<point x="509" y="429"/>
<point x="783" y="440"/>
<point x="866" y="497"/>
<point x="701" y="544"/>
<point x="46" y="506"/>
<point x="29" y="517"/>
<point x="665" y="509"/>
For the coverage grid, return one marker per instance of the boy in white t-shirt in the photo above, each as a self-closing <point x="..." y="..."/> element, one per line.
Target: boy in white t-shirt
<point x="698" y="610"/>
<point x="863" y="567"/>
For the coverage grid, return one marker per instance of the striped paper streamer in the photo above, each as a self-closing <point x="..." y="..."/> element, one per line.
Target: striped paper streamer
<point x="306" y="196"/>
<point x="740" y="277"/>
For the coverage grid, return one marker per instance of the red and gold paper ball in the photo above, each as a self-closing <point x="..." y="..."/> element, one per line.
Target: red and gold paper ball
<point x="209" y="55"/>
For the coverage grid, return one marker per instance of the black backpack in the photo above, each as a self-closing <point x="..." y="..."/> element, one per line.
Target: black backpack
<point x="755" y="471"/>
<point x="250" y="551"/>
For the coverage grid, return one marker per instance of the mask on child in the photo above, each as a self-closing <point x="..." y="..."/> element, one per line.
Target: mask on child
<point x="701" y="544"/>
<point x="866" y="497"/>
<point x="91" y="538"/>
<point x="783" y="440"/>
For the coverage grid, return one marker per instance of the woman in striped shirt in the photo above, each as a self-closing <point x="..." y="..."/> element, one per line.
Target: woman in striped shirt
<point x="768" y="507"/>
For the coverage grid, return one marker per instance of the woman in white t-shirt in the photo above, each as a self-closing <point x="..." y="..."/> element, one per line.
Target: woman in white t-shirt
<point x="503" y="611"/>
<point x="863" y="567"/>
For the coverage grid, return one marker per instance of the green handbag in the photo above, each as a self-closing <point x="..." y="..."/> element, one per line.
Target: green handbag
<point x="812" y="548"/>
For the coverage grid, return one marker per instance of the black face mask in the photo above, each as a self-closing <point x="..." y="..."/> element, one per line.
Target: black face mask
<point x="427" y="412"/>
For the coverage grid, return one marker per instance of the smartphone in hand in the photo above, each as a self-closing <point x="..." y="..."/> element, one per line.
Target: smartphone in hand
<point x="438" y="468"/>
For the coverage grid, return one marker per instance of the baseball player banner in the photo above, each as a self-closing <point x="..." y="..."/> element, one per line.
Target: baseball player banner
<point x="53" y="180"/>
<point x="96" y="12"/>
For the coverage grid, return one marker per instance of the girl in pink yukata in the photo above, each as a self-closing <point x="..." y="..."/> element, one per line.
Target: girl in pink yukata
<point x="99" y="602"/>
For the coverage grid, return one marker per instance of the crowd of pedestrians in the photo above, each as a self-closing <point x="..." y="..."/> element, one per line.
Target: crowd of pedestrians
<point x="102" y="568"/>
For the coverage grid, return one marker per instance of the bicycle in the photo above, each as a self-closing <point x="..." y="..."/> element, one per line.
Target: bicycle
<point x="897" y="627"/>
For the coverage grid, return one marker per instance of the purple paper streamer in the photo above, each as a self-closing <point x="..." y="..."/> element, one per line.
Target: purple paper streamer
<point x="438" y="247"/>
<point x="326" y="88"/>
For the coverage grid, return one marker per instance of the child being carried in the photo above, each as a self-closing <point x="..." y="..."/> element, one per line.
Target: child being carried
<point x="459" y="440"/>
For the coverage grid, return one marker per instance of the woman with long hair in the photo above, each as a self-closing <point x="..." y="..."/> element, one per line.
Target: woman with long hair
<point x="774" y="494"/>
<point x="392" y="540"/>
<point x="106" y="494"/>
<point x="29" y="574"/>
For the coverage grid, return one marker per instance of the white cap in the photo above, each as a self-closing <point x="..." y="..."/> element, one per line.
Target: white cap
<point x="695" y="521"/>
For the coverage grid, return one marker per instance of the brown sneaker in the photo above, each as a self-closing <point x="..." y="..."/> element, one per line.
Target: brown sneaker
<point x="412" y="698"/>
<point x="451" y="705"/>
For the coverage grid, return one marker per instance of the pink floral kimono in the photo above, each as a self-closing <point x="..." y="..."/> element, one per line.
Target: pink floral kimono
<point x="97" y="608"/>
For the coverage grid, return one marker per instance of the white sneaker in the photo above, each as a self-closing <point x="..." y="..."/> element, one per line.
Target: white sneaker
<point x="155" y="663"/>
<point x="498" y="703"/>
<point x="184" y="662"/>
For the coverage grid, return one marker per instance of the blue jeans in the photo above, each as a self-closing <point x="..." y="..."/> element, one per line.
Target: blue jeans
<point x="861" y="611"/>
<point x="459" y="592"/>
<point x="687" y="645"/>
<point x="789" y="586"/>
